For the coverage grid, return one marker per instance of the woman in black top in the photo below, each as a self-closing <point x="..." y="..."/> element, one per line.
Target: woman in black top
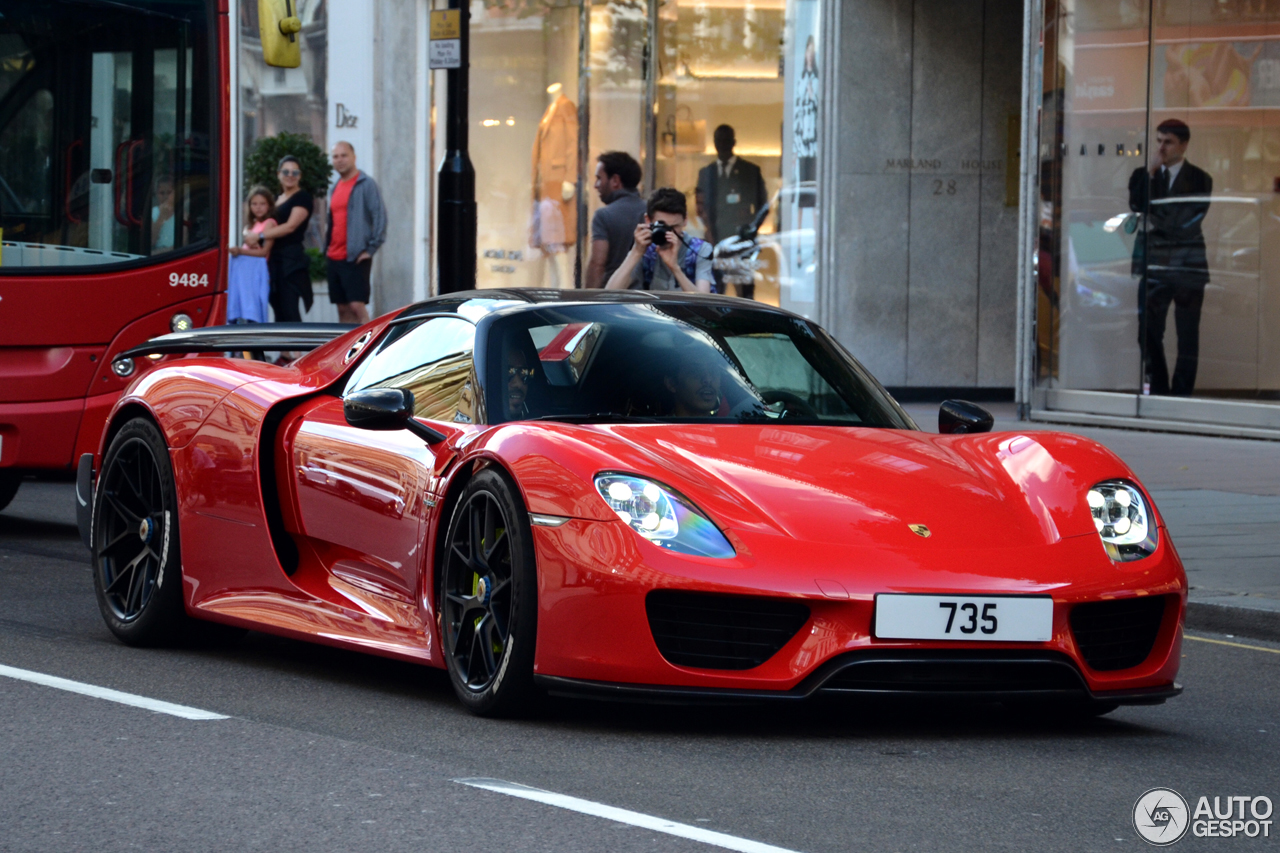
<point x="288" y="265"/>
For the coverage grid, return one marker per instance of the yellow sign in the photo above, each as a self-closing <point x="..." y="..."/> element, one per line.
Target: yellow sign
<point x="446" y="24"/>
<point x="278" y="28"/>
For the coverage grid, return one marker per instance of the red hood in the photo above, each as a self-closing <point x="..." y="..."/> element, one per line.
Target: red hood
<point x="861" y="487"/>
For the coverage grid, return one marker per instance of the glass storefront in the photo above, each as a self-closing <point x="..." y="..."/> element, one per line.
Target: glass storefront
<point x="524" y="141"/>
<point x="1159" y="241"/>
<point x="274" y="100"/>
<point x="555" y="84"/>
<point x="286" y="100"/>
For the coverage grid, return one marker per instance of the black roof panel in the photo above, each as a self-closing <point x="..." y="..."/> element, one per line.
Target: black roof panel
<point x="545" y="296"/>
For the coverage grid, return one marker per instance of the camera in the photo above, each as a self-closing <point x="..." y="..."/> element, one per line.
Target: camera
<point x="661" y="233"/>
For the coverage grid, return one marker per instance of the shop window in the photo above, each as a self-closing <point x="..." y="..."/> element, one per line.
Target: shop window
<point x="536" y="133"/>
<point x="1159" y="261"/>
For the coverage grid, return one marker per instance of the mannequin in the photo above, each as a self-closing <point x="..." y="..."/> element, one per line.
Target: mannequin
<point x="554" y="224"/>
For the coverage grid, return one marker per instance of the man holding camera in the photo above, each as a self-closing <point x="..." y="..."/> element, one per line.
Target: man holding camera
<point x="662" y="257"/>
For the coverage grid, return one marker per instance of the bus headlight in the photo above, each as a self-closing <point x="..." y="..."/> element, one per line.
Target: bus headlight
<point x="122" y="367"/>
<point x="181" y="323"/>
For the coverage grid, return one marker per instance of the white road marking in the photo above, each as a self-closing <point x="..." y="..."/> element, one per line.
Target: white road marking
<point x="657" y="824"/>
<point x="184" y="711"/>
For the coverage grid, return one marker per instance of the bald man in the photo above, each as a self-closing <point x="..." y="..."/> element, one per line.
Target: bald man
<point x="357" y="229"/>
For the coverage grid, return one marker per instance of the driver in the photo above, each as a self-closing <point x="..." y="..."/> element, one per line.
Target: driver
<point x="695" y="383"/>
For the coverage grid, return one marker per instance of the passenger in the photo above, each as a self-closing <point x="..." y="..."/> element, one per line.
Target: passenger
<point x="162" y="216"/>
<point x="518" y="374"/>
<point x="694" y="381"/>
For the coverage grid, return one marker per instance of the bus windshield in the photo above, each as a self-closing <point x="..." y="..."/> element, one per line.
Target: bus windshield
<point x="105" y="131"/>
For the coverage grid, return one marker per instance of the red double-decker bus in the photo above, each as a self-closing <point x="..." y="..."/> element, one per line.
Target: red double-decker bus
<point x="113" y="207"/>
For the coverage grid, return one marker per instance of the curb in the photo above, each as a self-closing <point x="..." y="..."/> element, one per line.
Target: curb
<point x="1242" y="621"/>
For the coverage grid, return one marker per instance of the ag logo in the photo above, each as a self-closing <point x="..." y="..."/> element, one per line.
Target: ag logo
<point x="1161" y="817"/>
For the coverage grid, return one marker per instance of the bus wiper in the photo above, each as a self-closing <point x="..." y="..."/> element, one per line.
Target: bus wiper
<point x="599" y="418"/>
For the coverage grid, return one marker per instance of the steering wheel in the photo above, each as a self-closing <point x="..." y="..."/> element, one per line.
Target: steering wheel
<point x="794" y="403"/>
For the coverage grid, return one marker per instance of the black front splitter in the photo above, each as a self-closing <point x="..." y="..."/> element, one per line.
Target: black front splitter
<point x="843" y="676"/>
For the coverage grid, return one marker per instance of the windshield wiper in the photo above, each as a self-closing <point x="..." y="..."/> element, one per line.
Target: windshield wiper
<point x="598" y="418"/>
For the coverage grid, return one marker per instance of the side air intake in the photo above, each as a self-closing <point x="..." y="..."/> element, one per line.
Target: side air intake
<point x="721" y="631"/>
<point x="1117" y="634"/>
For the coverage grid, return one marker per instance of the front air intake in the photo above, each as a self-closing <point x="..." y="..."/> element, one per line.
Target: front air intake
<point x="721" y="631"/>
<point x="956" y="673"/>
<point x="1117" y="634"/>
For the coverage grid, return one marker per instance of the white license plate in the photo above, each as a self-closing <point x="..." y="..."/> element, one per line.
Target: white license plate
<point x="1008" y="618"/>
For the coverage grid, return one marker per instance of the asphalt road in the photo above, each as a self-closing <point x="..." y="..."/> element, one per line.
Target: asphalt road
<point x="329" y="750"/>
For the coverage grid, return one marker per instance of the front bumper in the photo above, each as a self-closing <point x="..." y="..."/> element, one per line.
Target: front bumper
<point x="1000" y="676"/>
<point x="594" y="636"/>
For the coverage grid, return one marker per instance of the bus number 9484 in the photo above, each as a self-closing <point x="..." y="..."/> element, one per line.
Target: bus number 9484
<point x="188" y="279"/>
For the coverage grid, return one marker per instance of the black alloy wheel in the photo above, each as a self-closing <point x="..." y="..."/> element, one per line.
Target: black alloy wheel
<point x="136" y="568"/>
<point x="488" y="601"/>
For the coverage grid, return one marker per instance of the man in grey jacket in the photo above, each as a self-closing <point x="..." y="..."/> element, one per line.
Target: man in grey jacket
<point x="357" y="229"/>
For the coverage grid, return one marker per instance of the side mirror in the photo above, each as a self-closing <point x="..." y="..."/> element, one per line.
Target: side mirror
<point x="386" y="409"/>
<point x="960" y="417"/>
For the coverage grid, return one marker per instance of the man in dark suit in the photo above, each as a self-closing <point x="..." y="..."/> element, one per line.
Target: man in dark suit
<point x="731" y="191"/>
<point x="1169" y="255"/>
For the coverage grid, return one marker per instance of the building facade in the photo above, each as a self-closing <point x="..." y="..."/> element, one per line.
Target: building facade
<point x="888" y="137"/>
<point x="363" y="80"/>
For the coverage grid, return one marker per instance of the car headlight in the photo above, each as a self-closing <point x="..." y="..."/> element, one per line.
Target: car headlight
<point x="661" y="516"/>
<point x="1123" y="520"/>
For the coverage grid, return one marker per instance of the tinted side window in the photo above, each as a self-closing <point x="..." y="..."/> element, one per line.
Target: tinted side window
<point x="433" y="360"/>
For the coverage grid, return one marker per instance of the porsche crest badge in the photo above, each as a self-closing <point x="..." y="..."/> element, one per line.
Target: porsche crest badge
<point x="920" y="530"/>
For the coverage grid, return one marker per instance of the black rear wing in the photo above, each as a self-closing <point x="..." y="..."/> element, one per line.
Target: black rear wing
<point x="251" y="336"/>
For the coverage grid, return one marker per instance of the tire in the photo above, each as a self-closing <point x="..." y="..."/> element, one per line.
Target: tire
<point x="488" y="599"/>
<point x="137" y="568"/>
<point x="9" y="483"/>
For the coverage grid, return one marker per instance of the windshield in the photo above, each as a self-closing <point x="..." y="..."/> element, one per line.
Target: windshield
<point x="106" y="114"/>
<point x="675" y="363"/>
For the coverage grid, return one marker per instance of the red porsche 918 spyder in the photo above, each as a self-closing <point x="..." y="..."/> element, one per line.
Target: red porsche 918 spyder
<point x="627" y="495"/>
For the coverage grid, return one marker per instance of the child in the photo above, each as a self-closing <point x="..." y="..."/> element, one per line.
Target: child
<point x="248" y="283"/>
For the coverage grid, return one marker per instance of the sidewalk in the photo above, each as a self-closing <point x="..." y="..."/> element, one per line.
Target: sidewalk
<point x="1221" y="500"/>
